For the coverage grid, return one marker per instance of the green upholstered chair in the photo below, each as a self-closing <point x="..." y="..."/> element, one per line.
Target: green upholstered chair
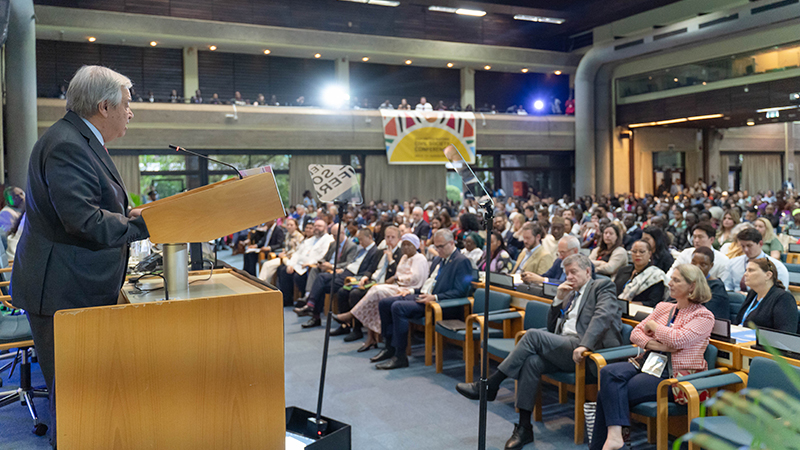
<point x="736" y="300"/>
<point x="465" y="338"/>
<point x="764" y="374"/>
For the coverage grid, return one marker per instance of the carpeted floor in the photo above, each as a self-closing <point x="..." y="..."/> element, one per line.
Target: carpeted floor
<point x="412" y="408"/>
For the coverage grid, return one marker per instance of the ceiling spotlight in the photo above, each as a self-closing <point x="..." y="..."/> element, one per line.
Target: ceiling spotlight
<point x="408" y="61"/>
<point x="212" y="47"/>
<point x="525" y="70"/>
<point x="392" y="3"/>
<point x="553" y="20"/>
<point x="267" y="52"/>
<point x="445" y="9"/>
<point x="557" y="72"/>
<point x="335" y="96"/>
<point x="487" y="67"/>
<point x="470" y="12"/>
<point x="153" y="43"/>
<point x="449" y="64"/>
<point x="675" y="79"/>
<point x="317" y="56"/>
<point x="750" y="122"/>
<point x="365" y="59"/>
<point x="538" y="105"/>
<point x="92" y="38"/>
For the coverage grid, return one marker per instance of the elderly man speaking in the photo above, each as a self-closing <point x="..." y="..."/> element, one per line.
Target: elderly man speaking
<point x="74" y="248"/>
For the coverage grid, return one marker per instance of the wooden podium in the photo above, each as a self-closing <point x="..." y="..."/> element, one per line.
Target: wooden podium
<point x="205" y="371"/>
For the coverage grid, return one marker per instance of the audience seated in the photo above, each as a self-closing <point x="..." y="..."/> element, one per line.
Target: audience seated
<point x="609" y="255"/>
<point x="557" y="229"/>
<point x="642" y="281"/>
<point x="473" y="248"/>
<point x="750" y="241"/>
<point x="412" y="271"/>
<point x="633" y="232"/>
<point x="292" y="239"/>
<point x="533" y="257"/>
<point x="362" y="265"/>
<point x="703" y="236"/>
<point x="346" y="254"/>
<point x="771" y="245"/>
<point x="719" y="305"/>
<point x="584" y="316"/>
<point x="418" y="224"/>
<point x="387" y="267"/>
<point x="450" y="277"/>
<point x="677" y="333"/>
<point x="295" y="271"/>
<point x="567" y="245"/>
<point x="768" y="304"/>
<point x="268" y="238"/>
<point x="500" y="260"/>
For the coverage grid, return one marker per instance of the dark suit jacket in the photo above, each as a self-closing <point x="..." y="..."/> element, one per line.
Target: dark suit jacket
<point x="599" y="320"/>
<point x="422" y="230"/>
<point x="631" y="237"/>
<point x="275" y="241"/>
<point x="74" y="248"/>
<point x="719" y="304"/>
<point x="455" y="277"/>
<point x="370" y="262"/>
<point x="778" y="310"/>
<point x="391" y="269"/>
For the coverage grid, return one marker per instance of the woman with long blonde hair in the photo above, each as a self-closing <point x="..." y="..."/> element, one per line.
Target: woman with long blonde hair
<point x="771" y="245"/>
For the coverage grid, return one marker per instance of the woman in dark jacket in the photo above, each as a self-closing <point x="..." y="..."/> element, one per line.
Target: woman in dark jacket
<point x="768" y="304"/>
<point x="641" y="282"/>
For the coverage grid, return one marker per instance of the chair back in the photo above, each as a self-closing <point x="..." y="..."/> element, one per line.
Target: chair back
<point x="735" y="300"/>
<point x="536" y="315"/>
<point x="710" y="356"/>
<point x="766" y="373"/>
<point x="497" y="301"/>
<point x="626" y="334"/>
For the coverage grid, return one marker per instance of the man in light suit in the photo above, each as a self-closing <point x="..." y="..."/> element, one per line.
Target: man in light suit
<point x="534" y="257"/>
<point x="295" y="271"/>
<point x="347" y="253"/>
<point x="74" y="247"/>
<point x="584" y="316"/>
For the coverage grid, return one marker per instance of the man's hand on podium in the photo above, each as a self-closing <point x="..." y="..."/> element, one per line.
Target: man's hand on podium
<point x="134" y="213"/>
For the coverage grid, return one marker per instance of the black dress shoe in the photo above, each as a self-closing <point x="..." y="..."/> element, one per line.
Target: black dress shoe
<point x="383" y="355"/>
<point x="312" y="322"/>
<point x="341" y="331"/>
<point x="304" y="311"/>
<point x="473" y="391"/>
<point x="299" y="303"/>
<point x="366" y="347"/>
<point x="397" y="362"/>
<point x="355" y="334"/>
<point x="523" y="434"/>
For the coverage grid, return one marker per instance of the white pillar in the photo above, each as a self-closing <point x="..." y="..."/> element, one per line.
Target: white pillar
<point x="21" y="131"/>
<point x="468" y="88"/>
<point x="342" y="73"/>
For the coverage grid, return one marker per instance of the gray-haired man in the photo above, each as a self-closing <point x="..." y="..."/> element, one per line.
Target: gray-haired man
<point x="74" y="247"/>
<point x="584" y="316"/>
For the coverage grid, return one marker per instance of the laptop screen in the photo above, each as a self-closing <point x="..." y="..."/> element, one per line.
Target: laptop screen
<point x="780" y="340"/>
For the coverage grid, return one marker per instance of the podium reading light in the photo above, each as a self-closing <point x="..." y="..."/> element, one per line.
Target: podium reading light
<point x="476" y="188"/>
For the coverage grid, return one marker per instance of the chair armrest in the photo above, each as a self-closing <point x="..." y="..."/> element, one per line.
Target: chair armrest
<point x="5" y="283"/>
<point x="519" y="336"/>
<point x="503" y="316"/>
<point x="6" y="269"/>
<point x="6" y="301"/>
<point x="435" y="308"/>
<point x="718" y="381"/>
<point x="703" y="374"/>
<point x="618" y="353"/>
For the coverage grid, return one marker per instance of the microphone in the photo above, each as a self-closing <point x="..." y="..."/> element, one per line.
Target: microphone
<point x="181" y="149"/>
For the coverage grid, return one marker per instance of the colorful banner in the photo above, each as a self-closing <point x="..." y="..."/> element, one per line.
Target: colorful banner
<point x="419" y="137"/>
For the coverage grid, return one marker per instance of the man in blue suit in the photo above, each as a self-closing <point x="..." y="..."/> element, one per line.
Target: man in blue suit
<point x="450" y="277"/>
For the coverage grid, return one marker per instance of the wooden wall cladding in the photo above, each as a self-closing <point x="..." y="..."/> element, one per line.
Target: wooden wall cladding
<point x="151" y="69"/>
<point x="733" y="101"/>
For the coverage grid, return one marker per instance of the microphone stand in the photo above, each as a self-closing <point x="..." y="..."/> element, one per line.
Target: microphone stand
<point x="488" y="217"/>
<point x="321" y="425"/>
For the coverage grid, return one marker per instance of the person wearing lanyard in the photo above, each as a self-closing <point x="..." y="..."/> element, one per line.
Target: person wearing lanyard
<point x="768" y="304"/>
<point x="680" y="330"/>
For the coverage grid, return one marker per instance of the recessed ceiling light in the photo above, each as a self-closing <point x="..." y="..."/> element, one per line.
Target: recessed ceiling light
<point x="557" y="72"/>
<point x="317" y="56"/>
<point x="553" y="20"/>
<point x="460" y="11"/>
<point x="408" y="61"/>
<point x="92" y="38"/>
<point x="444" y="9"/>
<point x="267" y="51"/>
<point x="525" y="70"/>
<point x="392" y="3"/>
<point x="449" y="64"/>
<point x="153" y="43"/>
<point x="487" y="67"/>
<point x="212" y="47"/>
<point x="675" y="79"/>
<point x="750" y="122"/>
<point x="365" y="59"/>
